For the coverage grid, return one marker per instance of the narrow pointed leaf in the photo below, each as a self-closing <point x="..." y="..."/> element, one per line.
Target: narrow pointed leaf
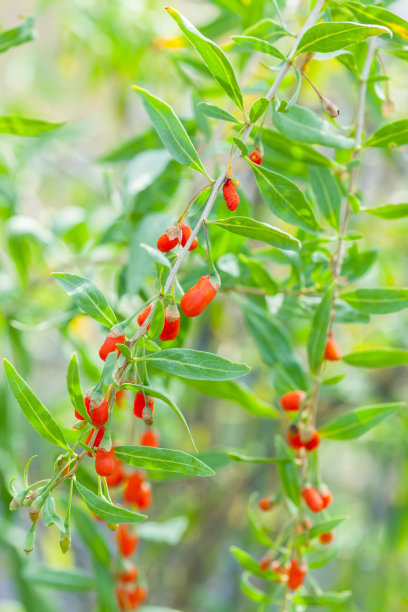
<point x="380" y="16"/>
<point x="164" y="459"/>
<point x="67" y="579"/>
<point x="37" y="414"/>
<point x="377" y="301"/>
<point x="389" y="211"/>
<point x="258" y="108"/>
<point x="257" y="44"/>
<point x="87" y="296"/>
<point x="285" y="199"/>
<point x="250" y="228"/>
<point x="288" y="472"/>
<point x="322" y="599"/>
<point x="215" y="59"/>
<point x="170" y="130"/>
<point x="74" y="388"/>
<point x="391" y="135"/>
<point x="251" y="564"/>
<point x="354" y="424"/>
<point x="105" y="510"/>
<point x="318" y="333"/>
<point x="377" y="358"/>
<point x="327" y="194"/>
<point x="327" y="37"/>
<point x="23" y="126"/>
<point x="198" y="365"/>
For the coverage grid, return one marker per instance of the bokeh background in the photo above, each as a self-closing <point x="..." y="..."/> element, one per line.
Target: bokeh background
<point x="81" y="200"/>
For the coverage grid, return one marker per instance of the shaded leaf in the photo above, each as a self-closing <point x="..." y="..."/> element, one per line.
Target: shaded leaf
<point x="318" y="333"/>
<point x="68" y="579"/>
<point x="327" y="194"/>
<point x="105" y="510"/>
<point x="74" y="388"/>
<point x="377" y="301"/>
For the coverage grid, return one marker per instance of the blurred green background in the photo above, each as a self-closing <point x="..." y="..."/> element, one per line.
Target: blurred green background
<point x="82" y="198"/>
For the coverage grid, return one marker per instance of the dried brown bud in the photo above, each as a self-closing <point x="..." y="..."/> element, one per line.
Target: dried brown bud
<point x="147" y="415"/>
<point x="331" y="109"/>
<point x="174" y="231"/>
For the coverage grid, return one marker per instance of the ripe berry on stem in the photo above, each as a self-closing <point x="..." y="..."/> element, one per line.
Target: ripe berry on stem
<point x="332" y="350"/>
<point x="105" y="462"/>
<point x="171" y="323"/>
<point x="140" y="402"/>
<point x="231" y="197"/>
<point x="312" y="499"/>
<point x="127" y="540"/>
<point x="292" y="400"/>
<point x="110" y="344"/>
<point x="196" y="299"/>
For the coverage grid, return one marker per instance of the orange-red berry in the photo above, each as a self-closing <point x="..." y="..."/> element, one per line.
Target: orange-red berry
<point x="312" y="499"/>
<point x="127" y="541"/>
<point x="110" y="344"/>
<point x="149" y="438"/>
<point x="98" y="438"/>
<point x="171" y="323"/>
<point x="326" y="538"/>
<point x="129" y="573"/>
<point x="313" y="442"/>
<point x="140" y="403"/>
<point x="264" y="563"/>
<point x="292" y="400"/>
<point x="144" y="496"/>
<point x="117" y="476"/>
<point x="185" y="235"/>
<point x="266" y="503"/>
<point x="165" y="244"/>
<point x="132" y="487"/>
<point x="332" y="351"/>
<point x="105" y="462"/>
<point x="97" y="408"/>
<point x="326" y="496"/>
<point x="256" y="157"/>
<point x="143" y="316"/>
<point x="231" y="197"/>
<point x="198" y="297"/>
<point x="293" y="437"/>
<point x="296" y="574"/>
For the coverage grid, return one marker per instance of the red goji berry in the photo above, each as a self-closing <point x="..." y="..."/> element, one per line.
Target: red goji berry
<point x="117" y="476"/>
<point x="256" y="157"/>
<point x="326" y="496"/>
<point x="231" y="197"/>
<point x="266" y="503"/>
<point x="310" y="438"/>
<point x="293" y="437"/>
<point x="296" y="574"/>
<point x="171" y="323"/>
<point x="312" y="499"/>
<point x="110" y="344"/>
<point x="127" y="540"/>
<point x="332" y="350"/>
<point x="326" y="538"/>
<point x="140" y="403"/>
<point x="97" y="408"/>
<point x="98" y="438"/>
<point x="264" y="563"/>
<point x="132" y="488"/>
<point x="165" y="243"/>
<point x="129" y="573"/>
<point x="144" y="496"/>
<point x="292" y="400"/>
<point x="149" y="438"/>
<point x="143" y="316"/>
<point x="105" y="462"/>
<point x="196" y="299"/>
<point x="186" y="233"/>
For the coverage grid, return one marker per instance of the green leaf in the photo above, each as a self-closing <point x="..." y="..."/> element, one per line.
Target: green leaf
<point x="389" y="211"/>
<point x="273" y="343"/>
<point x="318" y="333"/>
<point x="327" y="37"/>
<point x="87" y="296"/>
<point x="377" y="358"/>
<point x="258" y="108"/>
<point x="235" y="392"/>
<point x="198" y="365"/>
<point x="251" y="591"/>
<point x="357" y="264"/>
<point x="304" y="125"/>
<point x="50" y="515"/>
<point x="257" y="44"/>
<point x="214" y="111"/>
<point x="36" y="413"/>
<point x="241" y="146"/>
<point x="267" y="29"/>
<point x="105" y="510"/>
<point x="322" y="599"/>
<point x="260" y="275"/>
<point x="391" y="135"/>
<point x="285" y="199"/>
<point x="377" y="301"/>
<point x="161" y="396"/>
<point x="74" y="388"/>
<point x="333" y="380"/>
<point x="108" y="368"/>
<point x="378" y="15"/>
<point x="246" y="459"/>
<point x="288" y="472"/>
<point x="250" y="228"/>
<point x="68" y="579"/>
<point x="164" y="459"/>
<point x="157" y="322"/>
<point x="170" y="130"/>
<point x="356" y="423"/>
<point x="251" y="564"/>
<point x="215" y="59"/>
<point x="17" y="36"/>
<point x="327" y="194"/>
<point x="22" y="126"/>
<point x="298" y="152"/>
